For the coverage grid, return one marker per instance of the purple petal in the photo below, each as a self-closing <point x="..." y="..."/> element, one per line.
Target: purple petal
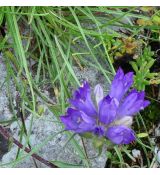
<point x="132" y="104"/>
<point x="76" y="121"/>
<point x="70" y="120"/>
<point x="128" y="81"/>
<point x="146" y="103"/>
<point x="121" y="84"/>
<point x="82" y="100"/>
<point x="120" y="134"/>
<point x="85" y="127"/>
<point x="98" y="91"/>
<point x="87" y="119"/>
<point x="107" y="110"/>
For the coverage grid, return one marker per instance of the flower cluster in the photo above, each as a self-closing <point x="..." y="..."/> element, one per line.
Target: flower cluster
<point x="112" y="115"/>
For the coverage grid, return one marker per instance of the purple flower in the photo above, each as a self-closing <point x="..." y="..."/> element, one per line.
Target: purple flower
<point x="120" y="134"/>
<point x="112" y="115"/>
<point x="121" y="84"/>
<point x="82" y="100"/>
<point x="132" y="104"/>
<point x="78" y="121"/>
<point x="108" y="110"/>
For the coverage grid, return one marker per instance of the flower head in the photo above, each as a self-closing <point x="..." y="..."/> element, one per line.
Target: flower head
<point x="112" y="115"/>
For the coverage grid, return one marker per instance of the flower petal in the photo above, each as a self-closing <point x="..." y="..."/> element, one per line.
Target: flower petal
<point x="107" y="110"/>
<point x="88" y="119"/>
<point x="121" y="84"/>
<point x="82" y="100"/>
<point x="132" y="104"/>
<point x="120" y="134"/>
<point x="98" y="91"/>
<point x="78" y="122"/>
<point x="70" y="120"/>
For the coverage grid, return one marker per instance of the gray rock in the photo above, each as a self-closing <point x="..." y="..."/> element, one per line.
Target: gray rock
<point x="5" y="113"/>
<point x="93" y="76"/>
<point x="54" y="149"/>
<point x="47" y="125"/>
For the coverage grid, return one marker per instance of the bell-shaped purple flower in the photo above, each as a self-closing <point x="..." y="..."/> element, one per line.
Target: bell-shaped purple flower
<point x="82" y="100"/>
<point x="120" y="134"/>
<point x="112" y="116"/>
<point x="108" y="110"/>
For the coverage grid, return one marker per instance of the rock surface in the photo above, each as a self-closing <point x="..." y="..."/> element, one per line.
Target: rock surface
<point x="5" y="113"/>
<point x="45" y="126"/>
<point x="54" y="149"/>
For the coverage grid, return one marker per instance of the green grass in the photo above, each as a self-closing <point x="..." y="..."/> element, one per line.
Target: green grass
<point x="51" y="41"/>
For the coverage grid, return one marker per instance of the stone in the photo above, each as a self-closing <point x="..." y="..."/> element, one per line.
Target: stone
<point x="54" y="149"/>
<point x="45" y="126"/>
<point x="5" y="113"/>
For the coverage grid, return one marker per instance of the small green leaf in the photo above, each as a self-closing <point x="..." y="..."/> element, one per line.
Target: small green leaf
<point x="156" y="19"/>
<point x="134" y="65"/>
<point x="142" y="135"/>
<point x="150" y="64"/>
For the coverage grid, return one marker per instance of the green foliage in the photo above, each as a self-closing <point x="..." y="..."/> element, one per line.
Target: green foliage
<point x="142" y="67"/>
<point x="156" y="18"/>
<point x="151" y="113"/>
<point x="56" y="37"/>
